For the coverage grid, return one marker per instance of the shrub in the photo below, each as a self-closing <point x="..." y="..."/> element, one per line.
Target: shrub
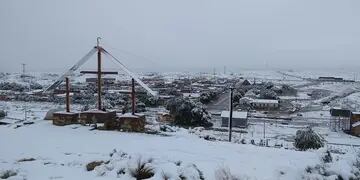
<point x="189" y="114"/>
<point x="6" y="174"/>
<point x="120" y="172"/>
<point x="12" y="86"/>
<point x="142" y="170"/>
<point x="165" y="176"/>
<point x="308" y="139"/>
<point x="268" y="94"/>
<point x="224" y="173"/>
<point x="207" y="97"/>
<point x="92" y="165"/>
<point x="327" y="158"/>
<point x="2" y="114"/>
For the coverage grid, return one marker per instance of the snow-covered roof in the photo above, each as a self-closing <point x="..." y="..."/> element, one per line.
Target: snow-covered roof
<point x="64" y="112"/>
<point x="236" y="114"/>
<point x="64" y="95"/>
<point x="356" y="113"/>
<point x="195" y="95"/>
<point x="119" y="91"/>
<point x="265" y="101"/>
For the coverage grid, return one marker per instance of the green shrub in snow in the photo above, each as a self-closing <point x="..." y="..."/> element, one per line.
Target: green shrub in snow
<point x="188" y="113"/>
<point x="308" y="139"/>
<point x="2" y="114"/>
<point x="143" y="170"/>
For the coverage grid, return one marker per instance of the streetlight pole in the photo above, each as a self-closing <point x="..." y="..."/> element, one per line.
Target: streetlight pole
<point x="231" y="112"/>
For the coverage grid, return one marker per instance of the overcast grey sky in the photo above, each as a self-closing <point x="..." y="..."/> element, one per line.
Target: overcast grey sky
<point x="51" y="35"/>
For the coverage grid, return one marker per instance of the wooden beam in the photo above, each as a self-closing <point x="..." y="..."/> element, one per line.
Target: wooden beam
<point x="95" y="72"/>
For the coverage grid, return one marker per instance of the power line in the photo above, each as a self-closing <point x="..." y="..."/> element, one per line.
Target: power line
<point x="144" y="58"/>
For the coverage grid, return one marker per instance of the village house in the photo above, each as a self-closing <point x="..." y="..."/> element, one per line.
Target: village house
<point x="340" y="119"/>
<point x="239" y="119"/>
<point x="265" y="104"/>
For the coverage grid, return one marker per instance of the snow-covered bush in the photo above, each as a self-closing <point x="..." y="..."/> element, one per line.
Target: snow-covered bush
<point x="11" y="86"/>
<point x="224" y="173"/>
<point x="187" y="113"/>
<point x="207" y="97"/>
<point x="327" y="158"/>
<point x="308" y="139"/>
<point x="35" y="85"/>
<point x="148" y="100"/>
<point x="238" y="94"/>
<point x="320" y="172"/>
<point x="2" y="113"/>
<point x="7" y="174"/>
<point x="268" y="94"/>
<point x="356" y="169"/>
<point x="287" y="90"/>
<point x="86" y="97"/>
<point x="191" y="171"/>
<point x="142" y="170"/>
<point x="92" y="165"/>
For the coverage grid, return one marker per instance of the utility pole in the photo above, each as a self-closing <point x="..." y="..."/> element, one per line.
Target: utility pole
<point x="23" y="68"/>
<point x="224" y="69"/>
<point x="25" y="115"/>
<point x="67" y="94"/>
<point x="133" y="96"/>
<point x="99" y="72"/>
<point x="264" y="129"/>
<point x="230" y="112"/>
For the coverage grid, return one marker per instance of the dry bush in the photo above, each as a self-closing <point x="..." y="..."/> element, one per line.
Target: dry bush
<point x="92" y="165"/>
<point x="224" y="173"/>
<point x="142" y="170"/>
<point x="6" y="174"/>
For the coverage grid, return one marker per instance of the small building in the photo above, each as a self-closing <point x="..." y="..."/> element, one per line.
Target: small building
<point x="240" y="119"/>
<point x="265" y="104"/>
<point x="340" y="119"/>
<point x="355" y="124"/>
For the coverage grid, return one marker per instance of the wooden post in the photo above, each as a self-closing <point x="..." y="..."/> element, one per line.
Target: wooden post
<point x="67" y="94"/>
<point x="231" y="112"/>
<point x="133" y="96"/>
<point x="99" y="75"/>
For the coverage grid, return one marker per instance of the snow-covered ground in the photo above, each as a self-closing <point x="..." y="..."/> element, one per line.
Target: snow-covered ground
<point x="64" y="152"/>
